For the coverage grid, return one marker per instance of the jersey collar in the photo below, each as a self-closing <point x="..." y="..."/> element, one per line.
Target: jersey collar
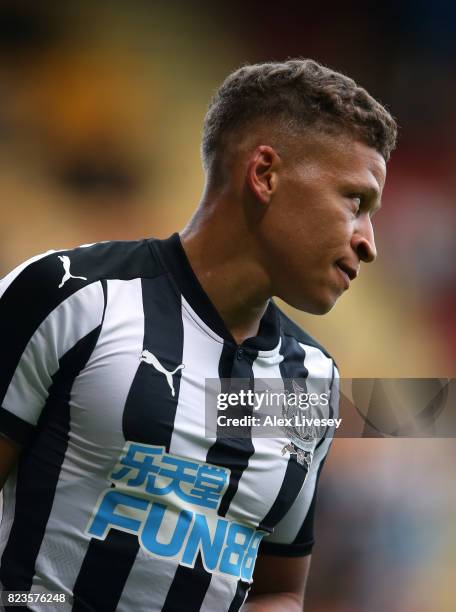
<point x="174" y="258"/>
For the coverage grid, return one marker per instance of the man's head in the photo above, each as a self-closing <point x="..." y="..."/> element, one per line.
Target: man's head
<point x="309" y="148"/>
<point x="292" y="98"/>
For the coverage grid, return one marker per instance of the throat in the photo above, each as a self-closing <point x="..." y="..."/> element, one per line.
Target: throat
<point x="244" y="323"/>
<point x="241" y="334"/>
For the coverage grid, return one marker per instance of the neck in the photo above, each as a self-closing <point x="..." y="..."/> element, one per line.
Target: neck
<point x="223" y="256"/>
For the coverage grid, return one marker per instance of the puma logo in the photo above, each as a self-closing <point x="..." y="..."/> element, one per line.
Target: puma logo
<point x="66" y="266"/>
<point x="150" y="358"/>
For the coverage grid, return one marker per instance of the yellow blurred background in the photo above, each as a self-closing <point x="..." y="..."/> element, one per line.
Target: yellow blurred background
<point x="100" y="124"/>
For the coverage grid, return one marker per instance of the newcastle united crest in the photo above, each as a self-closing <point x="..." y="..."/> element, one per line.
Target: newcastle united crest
<point x="302" y="426"/>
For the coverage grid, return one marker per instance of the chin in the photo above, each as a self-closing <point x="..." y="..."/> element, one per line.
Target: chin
<point x="315" y="306"/>
<point x="319" y="309"/>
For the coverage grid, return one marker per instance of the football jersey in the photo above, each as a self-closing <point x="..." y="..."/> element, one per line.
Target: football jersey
<point x="120" y="499"/>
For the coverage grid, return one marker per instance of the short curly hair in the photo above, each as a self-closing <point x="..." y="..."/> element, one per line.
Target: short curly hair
<point x="299" y="93"/>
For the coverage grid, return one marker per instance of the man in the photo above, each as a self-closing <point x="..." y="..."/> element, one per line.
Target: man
<point x="114" y="496"/>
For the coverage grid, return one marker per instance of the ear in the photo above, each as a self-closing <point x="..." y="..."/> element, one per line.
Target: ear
<point x="262" y="173"/>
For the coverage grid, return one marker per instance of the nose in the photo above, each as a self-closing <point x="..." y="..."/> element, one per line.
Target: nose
<point x="363" y="242"/>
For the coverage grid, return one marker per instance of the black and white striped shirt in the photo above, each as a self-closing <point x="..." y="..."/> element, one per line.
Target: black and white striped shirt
<point x="119" y="499"/>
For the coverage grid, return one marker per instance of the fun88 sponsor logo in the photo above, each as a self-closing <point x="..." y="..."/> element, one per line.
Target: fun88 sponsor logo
<point x="171" y="504"/>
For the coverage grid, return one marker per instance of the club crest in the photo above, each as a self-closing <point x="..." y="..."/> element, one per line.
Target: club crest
<point x="303" y="436"/>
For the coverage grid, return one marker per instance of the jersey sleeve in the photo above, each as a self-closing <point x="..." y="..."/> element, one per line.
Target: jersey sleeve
<point x="294" y="534"/>
<point x="40" y="320"/>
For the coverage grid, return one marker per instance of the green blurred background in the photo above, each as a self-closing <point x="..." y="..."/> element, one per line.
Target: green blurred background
<point x="102" y="105"/>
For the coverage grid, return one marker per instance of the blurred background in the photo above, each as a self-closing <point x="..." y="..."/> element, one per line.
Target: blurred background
<point x="101" y="109"/>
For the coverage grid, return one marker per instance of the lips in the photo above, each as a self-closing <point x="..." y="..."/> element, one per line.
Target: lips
<point x="344" y="276"/>
<point x="351" y="272"/>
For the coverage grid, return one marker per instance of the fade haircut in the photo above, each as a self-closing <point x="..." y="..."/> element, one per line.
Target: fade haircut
<point x="297" y="94"/>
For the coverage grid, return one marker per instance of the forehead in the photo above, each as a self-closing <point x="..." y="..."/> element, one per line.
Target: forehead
<point x="343" y="158"/>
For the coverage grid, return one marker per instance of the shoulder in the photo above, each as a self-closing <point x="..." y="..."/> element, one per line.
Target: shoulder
<point x="116" y="259"/>
<point x="58" y="286"/>
<point x="54" y="270"/>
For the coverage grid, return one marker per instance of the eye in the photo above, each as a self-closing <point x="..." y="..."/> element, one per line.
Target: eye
<point x="357" y="199"/>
